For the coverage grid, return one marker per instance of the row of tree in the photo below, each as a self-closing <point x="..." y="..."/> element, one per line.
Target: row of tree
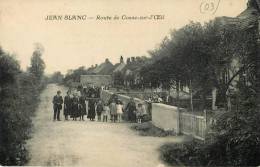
<point x="203" y="58"/>
<point x="19" y="92"/>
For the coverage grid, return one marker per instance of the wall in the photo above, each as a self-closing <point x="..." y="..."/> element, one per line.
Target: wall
<point x="168" y="118"/>
<point x="165" y="117"/>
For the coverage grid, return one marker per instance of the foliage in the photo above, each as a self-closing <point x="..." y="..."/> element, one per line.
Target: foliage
<point x="148" y="129"/>
<point x="239" y="135"/>
<point x="118" y="78"/>
<point x="19" y="97"/>
<point x="200" y="55"/>
<point x="37" y="64"/>
<point x="74" y="75"/>
<point x="236" y="141"/>
<point x="185" y="154"/>
<point x="56" y="77"/>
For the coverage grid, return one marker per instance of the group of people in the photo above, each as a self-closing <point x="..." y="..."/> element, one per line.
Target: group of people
<point x="76" y="105"/>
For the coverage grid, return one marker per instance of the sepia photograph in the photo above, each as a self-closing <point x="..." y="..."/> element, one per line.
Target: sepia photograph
<point x="130" y="83"/>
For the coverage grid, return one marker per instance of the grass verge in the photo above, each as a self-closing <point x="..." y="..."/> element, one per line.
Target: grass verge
<point x="148" y="129"/>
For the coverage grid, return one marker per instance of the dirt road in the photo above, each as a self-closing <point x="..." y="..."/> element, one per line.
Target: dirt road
<point x="88" y="143"/>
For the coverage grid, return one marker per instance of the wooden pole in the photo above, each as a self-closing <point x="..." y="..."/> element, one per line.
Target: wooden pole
<point x="178" y="109"/>
<point x="191" y="97"/>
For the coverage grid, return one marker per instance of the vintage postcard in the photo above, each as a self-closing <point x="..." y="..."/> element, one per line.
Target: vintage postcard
<point x="129" y="83"/>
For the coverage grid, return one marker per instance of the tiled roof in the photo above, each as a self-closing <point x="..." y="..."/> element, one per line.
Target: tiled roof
<point x="104" y="68"/>
<point x="248" y="18"/>
<point x="245" y="20"/>
<point x="119" y="67"/>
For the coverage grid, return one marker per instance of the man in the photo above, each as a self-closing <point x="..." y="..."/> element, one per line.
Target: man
<point x="57" y="105"/>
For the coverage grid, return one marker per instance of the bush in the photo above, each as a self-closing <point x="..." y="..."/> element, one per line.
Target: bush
<point x="183" y="154"/>
<point x="19" y="96"/>
<point x="237" y="142"/>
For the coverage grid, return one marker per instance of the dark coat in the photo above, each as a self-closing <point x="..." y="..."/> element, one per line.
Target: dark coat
<point x="75" y="107"/>
<point x="99" y="109"/>
<point x="91" y="106"/>
<point x="82" y="105"/>
<point x="130" y="110"/>
<point x="67" y="105"/>
<point x="57" y="102"/>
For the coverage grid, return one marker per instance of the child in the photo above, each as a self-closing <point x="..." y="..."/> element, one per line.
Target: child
<point x="113" y="111"/>
<point x="139" y="112"/>
<point x="119" y="110"/>
<point x="106" y="112"/>
<point x="99" y="110"/>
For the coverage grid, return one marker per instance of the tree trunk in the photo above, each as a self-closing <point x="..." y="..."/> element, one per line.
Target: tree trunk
<point x="258" y="66"/>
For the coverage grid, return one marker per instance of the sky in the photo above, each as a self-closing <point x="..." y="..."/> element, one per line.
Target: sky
<point x="69" y="44"/>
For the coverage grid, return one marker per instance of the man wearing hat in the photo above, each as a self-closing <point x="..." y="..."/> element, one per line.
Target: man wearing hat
<point x="57" y="105"/>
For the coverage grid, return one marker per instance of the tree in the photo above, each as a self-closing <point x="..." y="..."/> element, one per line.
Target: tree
<point x="203" y="56"/>
<point x="37" y="64"/>
<point x="56" y="77"/>
<point x="118" y="78"/>
<point x="74" y="75"/>
<point x="18" y="100"/>
<point x="9" y="68"/>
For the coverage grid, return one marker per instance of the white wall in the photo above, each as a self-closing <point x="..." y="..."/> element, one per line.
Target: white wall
<point x="165" y="117"/>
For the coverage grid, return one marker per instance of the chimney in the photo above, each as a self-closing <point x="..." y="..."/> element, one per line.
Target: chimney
<point x="121" y="59"/>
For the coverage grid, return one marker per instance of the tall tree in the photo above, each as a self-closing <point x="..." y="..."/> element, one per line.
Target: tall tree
<point x="37" y="64"/>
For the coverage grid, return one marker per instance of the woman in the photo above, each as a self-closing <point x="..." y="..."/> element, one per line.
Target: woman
<point x="67" y="105"/>
<point x="99" y="110"/>
<point x="91" y="106"/>
<point x="131" y="109"/>
<point x="82" y="107"/>
<point x="75" y="107"/>
<point x="113" y="111"/>
<point x="119" y="110"/>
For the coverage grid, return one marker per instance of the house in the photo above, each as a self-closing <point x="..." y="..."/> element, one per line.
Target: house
<point x="119" y="66"/>
<point x="105" y="68"/>
<point x="232" y="73"/>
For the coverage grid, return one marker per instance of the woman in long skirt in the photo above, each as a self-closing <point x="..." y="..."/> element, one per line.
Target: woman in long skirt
<point x="91" y="112"/>
<point x="130" y="110"/>
<point x="75" y="107"/>
<point x="67" y="105"/>
<point x="119" y="110"/>
<point x="82" y="107"/>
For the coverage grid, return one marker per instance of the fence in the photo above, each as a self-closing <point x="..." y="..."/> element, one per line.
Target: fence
<point x="194" y="125"/>
<point x="171" y="118"/>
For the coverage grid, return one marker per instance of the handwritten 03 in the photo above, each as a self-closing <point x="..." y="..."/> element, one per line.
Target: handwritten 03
<point x="209" y="6"/>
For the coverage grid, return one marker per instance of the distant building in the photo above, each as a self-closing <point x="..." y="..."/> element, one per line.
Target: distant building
<point x="119" y="66"/>
<point x="105" y="68"/>
<point x="246" y="20"/>
<point x="97" y="80"/>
